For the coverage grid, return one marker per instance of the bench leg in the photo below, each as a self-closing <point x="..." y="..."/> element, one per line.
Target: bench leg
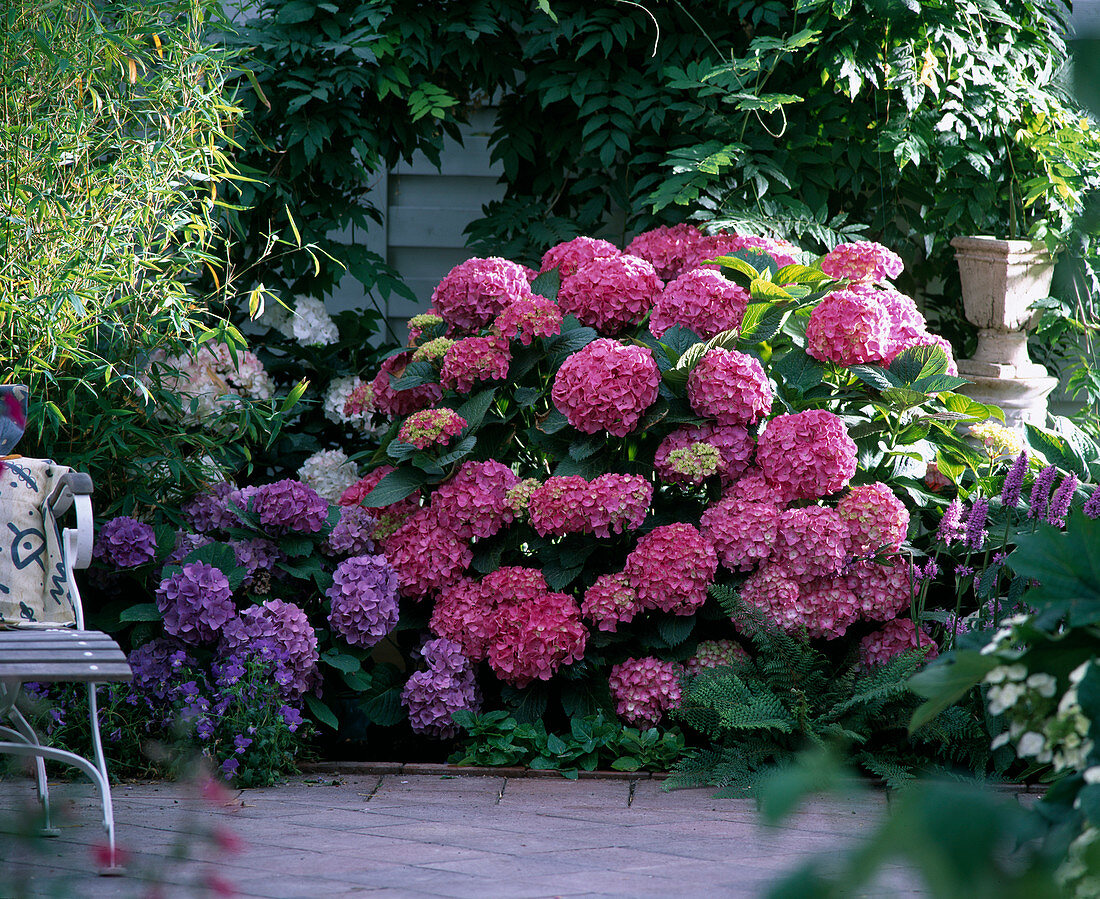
<point x="27" y="732"/>
<point x="105" y="783"/>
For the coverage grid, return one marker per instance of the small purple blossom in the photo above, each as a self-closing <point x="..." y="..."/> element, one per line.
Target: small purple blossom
<point x="196" y="602"/>
<point x="930" y="571"/>
<point x="292" y="718"/>
<point x="241" y="743"/>
<point x="951" y="526"/>
<point x="364" y="599"/>
<point x="1092" y="504"/>
<point x="964" y="570"/>
<point x="975" y="524"/>
<point x="1059" y="503"/>
<point x="1040" y="492"/>
<point x="280" y="632"/>
<point x="351" y="535"/>
<point x="446" y="687"/>
<point x="1010" y="492"/>
<point x="289" y="506"/>
<point x="208" y="511"/>
<point x="126" y="542"/>
<point x="999" y="558"/>
<point x="229" y="768"/>
<point x="154" y="665"/>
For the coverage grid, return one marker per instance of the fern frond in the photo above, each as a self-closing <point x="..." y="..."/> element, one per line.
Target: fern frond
<point x="896" y="774"/>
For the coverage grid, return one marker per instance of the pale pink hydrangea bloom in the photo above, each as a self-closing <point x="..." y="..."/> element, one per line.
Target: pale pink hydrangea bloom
<point x="430" y="426"/>
<point x="425" y="555"/>
<point x="830" y="606"/>
<point x="610" y="601"/>
<point x="474" y="359"/>
<point x="863" y="260"/>
<point x="473" y="292"/>
<point x="621" y="502"/>
<point x="610" y="293"/>
<point x="882" y="590"/>
<point x="875" y="517"/>
<point x="824" y="607"/>
<point x="567" y="257"/>
<point x="733" y="442"/>
<point x="777" y="595"/>
<point x="743" y="533"/>
<point x="520" y="495"/>
<point x="433" y="350"/>
<point x="474" y="503"/>
<point x="806" y="455"/>
<point x="644" y="689"/>
<point x="671" y="568"/>
<point x="463" y="613"/>
<point x="667" y="248"/>
<point x="812" y="542"/>
<point x="607" y="386"/>
<point x="701" y="300"/>
<point x="535" y="638"/>
<point x="848" y="328"/>
<point x="729" y="387"/>
<point x="527" y="319"/>
<point x="894" y="639"/>
<point x="710" y="654"/>
<point x="401" y="402"/>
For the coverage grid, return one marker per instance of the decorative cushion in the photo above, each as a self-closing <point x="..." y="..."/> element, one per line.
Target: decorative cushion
<point x="34" y="584"/>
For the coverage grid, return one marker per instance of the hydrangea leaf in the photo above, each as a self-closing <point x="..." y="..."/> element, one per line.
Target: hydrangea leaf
<point x="320" y="711"/>
<point x="394" y="487"/>
<point x="547" y="284"/>
<point x="1067" y="567"/>
<point x="146" y="611"/>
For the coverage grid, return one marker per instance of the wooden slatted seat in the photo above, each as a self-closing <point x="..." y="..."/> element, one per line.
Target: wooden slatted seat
<point x="50" y="644"/>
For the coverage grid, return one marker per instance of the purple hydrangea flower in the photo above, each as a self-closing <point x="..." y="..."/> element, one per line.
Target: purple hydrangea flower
<point x="975" y="524"/>
<point x="1092" y="504"/>
<point x="951" y="526"/>
<point x="1010" y="492"/>
<point x="289" y="506"/>
<point x="155" y="665"/>
<point x="208" y="512"/>
<point x="364" y="599"/>
<point x="257" y="554"/>
<point x="351" y="535"/>
<point x="281" y="633"/>
<point x="1059" y="503"/>
<point x="196" y="602"/>
<point x="448" y="685"/>
<point x="187" y="543"/>
<point x="1040" y="492"/>
<point x="126" y="542"/>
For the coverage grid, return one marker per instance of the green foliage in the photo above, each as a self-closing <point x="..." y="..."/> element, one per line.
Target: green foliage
<point x="498" y="739"/>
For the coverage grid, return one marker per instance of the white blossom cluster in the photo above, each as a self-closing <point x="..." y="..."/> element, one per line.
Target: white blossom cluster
<point x="211" y="380"/>
<point x="329" y="472"/>
<point x="308" y="323"/>
<point x="1076" y="875"/>
<point x="335" y="402"/>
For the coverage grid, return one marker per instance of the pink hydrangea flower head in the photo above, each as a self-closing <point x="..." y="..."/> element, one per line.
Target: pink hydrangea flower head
<point x="829" y="607"/>
<point x="894" y="639"/>
<point x="464" y="613"/>
<point x="290" y="507"/>
<point x="433" y="351"/>
<point x="426" y="555"/>
<point x="620" y="502"/>
<point x="729" y="387"/>
<point x="513" y="584"/>
<point x="644" y="690"/>
<point x="535" y="638"/>
<point x="363" y="600"/>
<point x="848" y="328"/>
<point x="424" y="323"/>
<point x="401" y="402"/>
<point x="431" y="426"/>
<point x="906" y="321"/>
<point x="668" y="248"/>
<point x="567" y="257"/>
<point x="876" y="518"/>
<point x="753" y="487"/>
<point x="806" y="455"/>
<point x="519" y="496"/>
<point x="882" y="590"/>
<point x="360" y="401"/>
<point x="714" y="245"/>
<point x="474" y="503"/>
<point x="733" y="442"/>
<point x="671" y="568"/>
<point x="743" y="533"/>
<point x="777" y="595"/>
<point x="812" y="542"/>
<point x="475" y="359"/>
<point x="610" y="601"/>
<point x="284" y="627"/>
<point x="606" y="386"/>
<point x="526" y="319"/>
<point x="561" y="505"/>
<point x="701" y="300"/>
<point x="711" y="654"/>
<point x="610" y="293"/>
<point x="934" y="479"/>
<point x="196" y="602"/>
<point x="862" y="261"/>
<point x="473" y="292"/>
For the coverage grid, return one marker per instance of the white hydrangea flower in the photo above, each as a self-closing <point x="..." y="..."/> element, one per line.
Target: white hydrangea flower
<point x="1092" y="775"/>
<point x="277" y="317"/>
<point x="312" y="325"/>
<point x="329" y="472"/>
<point x="1044" y="684"/>
<point x="1030" y="744"/>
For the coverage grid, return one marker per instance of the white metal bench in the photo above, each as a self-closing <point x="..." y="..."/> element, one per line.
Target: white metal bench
<point x="30" y="653"/>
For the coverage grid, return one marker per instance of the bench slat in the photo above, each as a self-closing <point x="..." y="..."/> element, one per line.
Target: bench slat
<point x="61" y="654"/>
<point x="62" y="671"/>
<point x="56" y="654"/>
<point x="30" y="633"/>
<point x="29" y="645"/>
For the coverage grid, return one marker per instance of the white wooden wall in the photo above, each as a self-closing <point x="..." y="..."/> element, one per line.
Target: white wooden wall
<point x="424" y="212"/>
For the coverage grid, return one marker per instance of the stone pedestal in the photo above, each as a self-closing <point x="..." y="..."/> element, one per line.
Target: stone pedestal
<point x="1000" y="281"/>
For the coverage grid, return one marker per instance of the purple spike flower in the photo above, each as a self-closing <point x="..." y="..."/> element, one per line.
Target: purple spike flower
<point x="1059" y="503"/>
<point x="951" y="527"/>
<point x="975" y="524"/>
<point x="1092" y="504"/>
<point x="1040" y="492"/>
<point x="1010" y="493"/>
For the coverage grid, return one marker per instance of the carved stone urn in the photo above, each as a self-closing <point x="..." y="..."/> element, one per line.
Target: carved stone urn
<point x="1000" y="281"/>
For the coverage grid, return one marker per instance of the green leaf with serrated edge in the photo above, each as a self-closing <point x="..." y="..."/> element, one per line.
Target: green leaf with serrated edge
<point x="945" y="681"/>
<point x="677" y="341"/>
<point x="569" y="342"/>
<point x="526" y="396"/>
<point x="626" y="763"/>
<point x="385" y="709"/>
<point x="585" y="446"/>
<point x="798" y="370"/>
<point x="341" y="661"/>
<point x="1067" y="566"/>
<point x="949" y="468"/>
<point x="875" y="376"/>
<point x="938" y="384"/>
<point x="1057" y="450"/>
<point x="460" y="450"/>
<point x="761" y="289"/>
<point x="903" y="397"/>
<point x="739" y="265"/>
<point x="553" y="422"/>
<point x="918" y="362"/>
<point x="972" y="409"/>
<point x="674" y="630"/>
<point x="799" y="274"/>
<point x="394" y="487"/>
<point x="476" y="407"/>
<point x="758" y="326"/>
<point x="356" y="681"/>
<point x="166" y="541"/>
<point x="320" y="711"/>
<point x="399" y="451"/>
<point x="145" y="611"/>
<point x="547" y="284"/>
<point x="415" y="374"/>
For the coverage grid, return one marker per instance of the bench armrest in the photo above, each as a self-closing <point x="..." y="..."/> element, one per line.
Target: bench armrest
<point x="74" y="488"/>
